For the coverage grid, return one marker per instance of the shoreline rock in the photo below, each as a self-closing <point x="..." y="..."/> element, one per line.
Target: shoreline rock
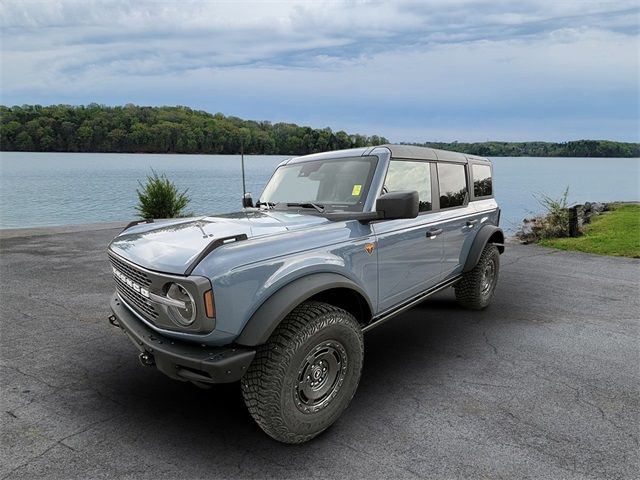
<point x="567" y="223"/>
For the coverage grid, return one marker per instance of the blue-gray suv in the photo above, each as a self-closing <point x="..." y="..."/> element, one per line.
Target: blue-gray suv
<point x="279" y="295"/>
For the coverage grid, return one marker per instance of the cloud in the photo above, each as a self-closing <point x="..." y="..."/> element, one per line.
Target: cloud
<point x="394" y="66"/>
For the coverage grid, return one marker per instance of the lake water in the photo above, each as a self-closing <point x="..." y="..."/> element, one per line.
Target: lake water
<point x="43" y="189"/>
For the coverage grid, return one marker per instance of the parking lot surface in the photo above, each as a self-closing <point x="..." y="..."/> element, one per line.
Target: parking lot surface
<point x="543" y="384"/>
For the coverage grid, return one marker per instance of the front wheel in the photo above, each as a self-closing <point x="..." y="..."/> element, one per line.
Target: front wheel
<point x="302" y="379"/>
<point x="475" y="289"/>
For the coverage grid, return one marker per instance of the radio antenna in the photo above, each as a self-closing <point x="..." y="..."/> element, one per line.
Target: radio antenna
<point x="244" y="187"/>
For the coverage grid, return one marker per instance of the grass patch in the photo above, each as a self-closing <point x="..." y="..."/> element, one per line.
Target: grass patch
<point x="616" y="232"/>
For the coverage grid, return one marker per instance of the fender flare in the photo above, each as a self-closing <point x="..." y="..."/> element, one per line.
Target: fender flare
<point x="481" y="240"/>
<point x="273" y="310"/>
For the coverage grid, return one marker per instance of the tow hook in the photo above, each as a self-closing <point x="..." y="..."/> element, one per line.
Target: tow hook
<point x="146" y="359"/>
<point x="113" y="320"/>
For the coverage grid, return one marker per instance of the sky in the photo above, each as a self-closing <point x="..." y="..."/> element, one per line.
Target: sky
<point x="442" y="70"/>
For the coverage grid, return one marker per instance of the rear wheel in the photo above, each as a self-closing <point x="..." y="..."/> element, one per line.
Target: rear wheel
<point x="302" y="379"/>
<point x="475" y="289"/>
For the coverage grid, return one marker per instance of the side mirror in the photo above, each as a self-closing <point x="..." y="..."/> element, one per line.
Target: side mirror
<point x="247" y="200"/>
<point x="400" y="204"/>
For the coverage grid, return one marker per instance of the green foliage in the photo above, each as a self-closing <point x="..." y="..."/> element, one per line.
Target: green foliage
<point x="577" y="148"/>
<point x="133" y="129"/>
<point x="616" y="232"/>
<point x="556" y="220"/>
<point x="159" y="198"/>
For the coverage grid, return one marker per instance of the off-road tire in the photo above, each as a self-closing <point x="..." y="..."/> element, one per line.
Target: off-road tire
<point x="471" y="291"/>
<point x="271" y="383"/>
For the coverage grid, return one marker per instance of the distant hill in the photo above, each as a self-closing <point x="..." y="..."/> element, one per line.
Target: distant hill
<point x="136" y="129"/>
<point x="133" y="129"/>
<point x="576" y="148"/>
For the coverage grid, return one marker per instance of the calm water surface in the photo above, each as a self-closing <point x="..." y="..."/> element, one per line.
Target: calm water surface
<point x="42" y="189"/>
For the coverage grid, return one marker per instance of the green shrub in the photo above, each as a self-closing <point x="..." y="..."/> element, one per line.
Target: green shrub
<point x="160" y="198"/>
<point x="555" y="223"/>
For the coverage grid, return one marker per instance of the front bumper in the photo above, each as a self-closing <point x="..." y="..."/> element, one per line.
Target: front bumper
<point x="178" y="359"/>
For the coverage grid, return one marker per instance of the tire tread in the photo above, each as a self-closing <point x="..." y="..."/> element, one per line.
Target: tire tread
<point x="261" y="385"/>
<point x="468" y="288"/>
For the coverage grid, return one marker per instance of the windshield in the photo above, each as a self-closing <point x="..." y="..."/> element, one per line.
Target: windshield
<point x="335" y="184"/>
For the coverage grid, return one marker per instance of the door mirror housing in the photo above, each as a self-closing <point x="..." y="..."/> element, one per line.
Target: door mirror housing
<point x="247" y="200"/>
<point x="399" y="204"/>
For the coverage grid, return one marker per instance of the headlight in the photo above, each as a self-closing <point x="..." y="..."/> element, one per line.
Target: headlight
<point x="182" y="316"/>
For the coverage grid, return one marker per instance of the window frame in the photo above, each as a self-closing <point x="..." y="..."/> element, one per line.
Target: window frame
<point x="435" y="200"/>
<point x="473" y="194"/>
<point x="466" y="179"/>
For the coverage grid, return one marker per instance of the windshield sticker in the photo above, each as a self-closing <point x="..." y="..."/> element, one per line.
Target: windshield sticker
<point x="356" y="190"/>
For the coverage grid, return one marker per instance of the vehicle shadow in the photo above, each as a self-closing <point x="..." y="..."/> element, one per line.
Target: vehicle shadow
<point x="198" y="422"/>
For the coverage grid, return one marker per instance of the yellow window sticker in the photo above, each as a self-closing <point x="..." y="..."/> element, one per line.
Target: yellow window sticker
<point x="356" y="190"/>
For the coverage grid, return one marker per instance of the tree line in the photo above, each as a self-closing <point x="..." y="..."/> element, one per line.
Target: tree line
<point x="576" y="148"/>
<point x="137" y="129"/>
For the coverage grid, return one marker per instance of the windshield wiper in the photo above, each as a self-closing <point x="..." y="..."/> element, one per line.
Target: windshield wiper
<point x="317" y="206"/>
<point x="269" y="205"/>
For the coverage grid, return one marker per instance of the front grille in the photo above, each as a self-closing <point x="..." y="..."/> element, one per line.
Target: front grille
<point x="135" y="299"/>
<point x="137" y="276"/>
<point x="132" y="297"/>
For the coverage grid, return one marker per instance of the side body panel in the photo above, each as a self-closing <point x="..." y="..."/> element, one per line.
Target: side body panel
<point x="409" y="261"/>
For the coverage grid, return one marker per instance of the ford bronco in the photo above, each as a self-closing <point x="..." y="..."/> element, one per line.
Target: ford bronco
<point x="279" y="295"/>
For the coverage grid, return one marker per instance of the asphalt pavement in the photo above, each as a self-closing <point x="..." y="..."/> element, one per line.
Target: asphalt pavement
<point x="545" y="383"/>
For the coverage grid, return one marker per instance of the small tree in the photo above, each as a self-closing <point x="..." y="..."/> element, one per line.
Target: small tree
<point x="160" y="198"/>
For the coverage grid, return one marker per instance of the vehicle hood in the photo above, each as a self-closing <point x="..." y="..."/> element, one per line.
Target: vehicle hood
<point x="172" y="246"/>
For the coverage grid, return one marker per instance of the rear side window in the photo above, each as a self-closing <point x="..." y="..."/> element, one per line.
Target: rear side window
<point x="482" y="183"/>
<point x="407" y="175"/>
<point x="452" y="181"/>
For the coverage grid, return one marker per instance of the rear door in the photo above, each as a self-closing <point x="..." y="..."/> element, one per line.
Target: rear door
<point x="409" y="253"/>
<point x="459" y="218"/>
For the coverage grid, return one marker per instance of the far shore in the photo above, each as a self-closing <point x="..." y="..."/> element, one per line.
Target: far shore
<point x="286" y="154"/>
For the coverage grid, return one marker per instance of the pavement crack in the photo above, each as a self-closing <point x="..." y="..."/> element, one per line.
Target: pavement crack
<point x="486" y="340"/>
<point x="59" y="442"/>
<point x="486" y="384"/>
<point x="372" y="458"/>
<point x="38" y="379"/>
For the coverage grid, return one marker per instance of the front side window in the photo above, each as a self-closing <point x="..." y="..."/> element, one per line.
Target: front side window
<point x="339" y="183"/>
<point x="452" y="181"/>
<point x="482" y="184"/>
<point x="407" y="175"/>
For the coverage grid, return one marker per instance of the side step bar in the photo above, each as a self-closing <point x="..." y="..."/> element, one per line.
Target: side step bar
<point x="383" y="317"/>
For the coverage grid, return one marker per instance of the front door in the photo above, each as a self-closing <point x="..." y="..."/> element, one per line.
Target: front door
<point x="409" y="250"/>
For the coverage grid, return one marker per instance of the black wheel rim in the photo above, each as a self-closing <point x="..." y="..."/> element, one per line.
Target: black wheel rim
<point x="320" y="376"/>
<point x="488" y="278"/>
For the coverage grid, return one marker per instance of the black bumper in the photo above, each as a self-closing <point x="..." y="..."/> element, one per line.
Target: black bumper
<point x="181" y="360"/>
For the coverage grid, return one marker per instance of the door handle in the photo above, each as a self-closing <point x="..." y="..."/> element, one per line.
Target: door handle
<point x="434" y="233"/>
<point x="471" y="223"/>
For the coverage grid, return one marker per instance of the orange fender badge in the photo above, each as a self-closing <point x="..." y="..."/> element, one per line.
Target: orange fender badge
<point x="370" y="247"/>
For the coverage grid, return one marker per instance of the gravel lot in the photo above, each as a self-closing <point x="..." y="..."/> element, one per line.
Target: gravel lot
<point x="543" y="384"/>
